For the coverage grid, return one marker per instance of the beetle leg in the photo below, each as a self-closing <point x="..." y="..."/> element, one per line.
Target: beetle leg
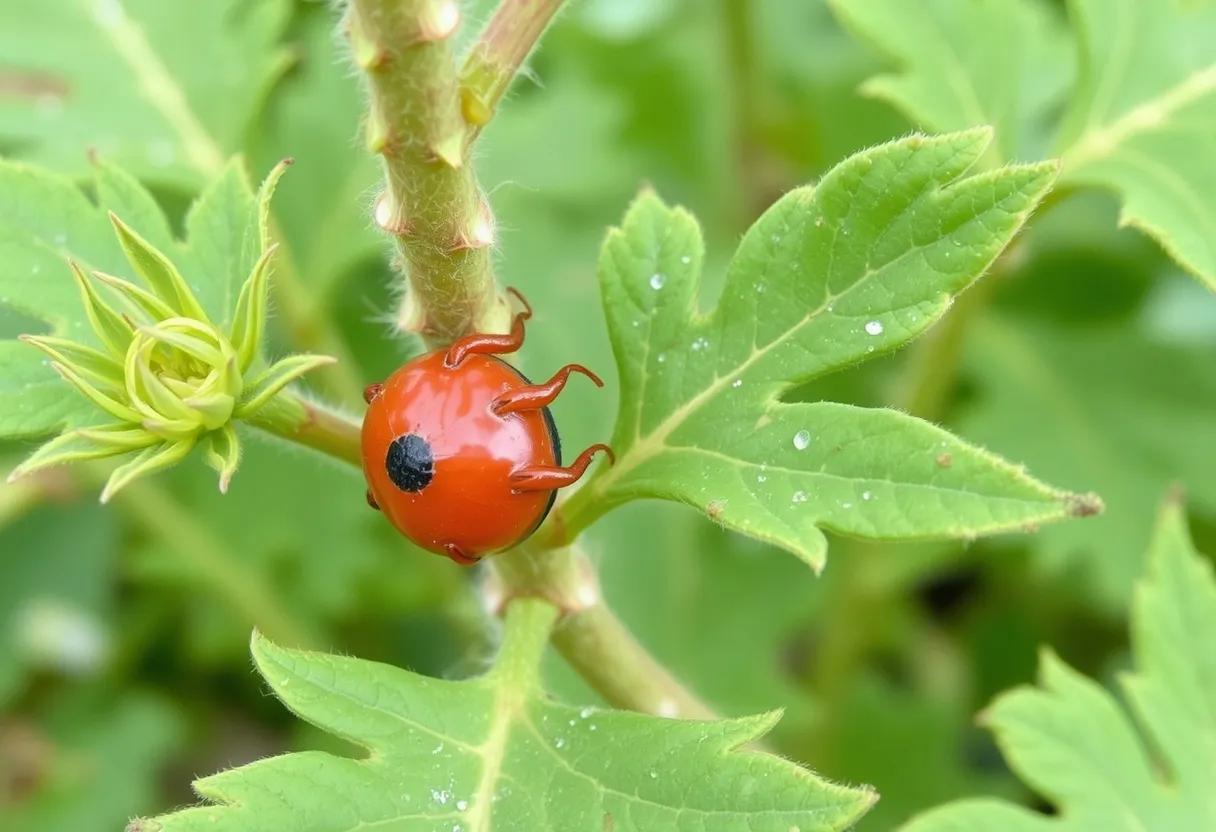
<point x="459" y="556"/>
<point x="491" y="344"/>
<point x="536" y="396"/>
<point x="548" y="477"/>
<point x="372" y="392"/>
<point x="371" y="501"/>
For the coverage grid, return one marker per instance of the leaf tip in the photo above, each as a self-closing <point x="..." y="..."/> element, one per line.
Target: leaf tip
<point x="1083" y="505"/>
<point x="144" y="825"/>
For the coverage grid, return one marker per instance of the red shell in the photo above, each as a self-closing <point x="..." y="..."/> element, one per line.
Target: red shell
<point x="469" y="506"/>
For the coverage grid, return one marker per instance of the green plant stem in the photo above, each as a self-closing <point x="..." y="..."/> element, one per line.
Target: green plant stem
<point x="589" y="635"/>
<point x="432" y="204"/>
<point x="500" y="51"/>
<point x="422" y="121"/>
<point x="313" y="425"/>
<point x="216" y="566"/>
<point x="529" y="622"/>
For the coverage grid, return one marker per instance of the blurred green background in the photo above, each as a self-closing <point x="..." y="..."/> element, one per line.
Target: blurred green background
<point x="123" y="631"/>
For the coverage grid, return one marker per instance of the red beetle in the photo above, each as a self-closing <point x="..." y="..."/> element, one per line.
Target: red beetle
<point x="460" y="450"/>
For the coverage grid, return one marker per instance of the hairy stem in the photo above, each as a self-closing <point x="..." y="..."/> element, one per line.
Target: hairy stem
<point x="495" y="59"/>
<point x="313" y="425"/>
<point x="432" y="204"/>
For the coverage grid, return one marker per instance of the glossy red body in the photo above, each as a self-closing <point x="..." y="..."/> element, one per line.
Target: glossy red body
<point x="470" y="506"/>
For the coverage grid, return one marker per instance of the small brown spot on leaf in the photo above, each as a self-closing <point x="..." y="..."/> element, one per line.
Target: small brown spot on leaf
<point x="38" y="85"/>
<point x="715" y="509"/>
<point x="945" y="460"/>
<point x="1084" y="505"/>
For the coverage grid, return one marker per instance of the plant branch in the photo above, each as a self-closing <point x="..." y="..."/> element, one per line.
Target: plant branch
<point x="432" y="204"/>
<point x="495" y="59"/>
<point x="589" y="635"/>
<point x="313" y="425"/>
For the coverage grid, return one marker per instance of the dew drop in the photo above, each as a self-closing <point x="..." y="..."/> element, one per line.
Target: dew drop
<point x="874" y="328"/>
<point x="662" y="357"/>
<point x="657" y="280"/>
<point x="461" y="805"/>
<point x="586" y="712"/>
<point x="802" y="440"/>
<point x="799" y="497"/>
<point x="559" y="743"/>
<point x="867" y="496"/>
<point x="737" y="383"/>
<point x="685" y="259"/>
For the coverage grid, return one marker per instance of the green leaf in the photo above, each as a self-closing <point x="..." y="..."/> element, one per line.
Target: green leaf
<point x="75" y="446"/>
<point x="825" y="279"/>
<point x="1143" y="117"/>
<point x="1072" y="741"/>
<point x="225" y="241"/>
<point x="148" y="461"/>
<point x="1126" y="411"/>
<point x="165" y="90"/>
<point x="47" y="223"/>
<point x="1140" y="114"/>
<point x="250" y="316"/>
<point x="282" y="373"/>
<point x="158" y="271"/>
<point x="224" y="454"/>
<point x="494" y="753"/>
<point x="999" y="62"/>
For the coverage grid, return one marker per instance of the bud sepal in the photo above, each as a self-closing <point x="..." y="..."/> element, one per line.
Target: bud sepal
<point x="166" y="375"/>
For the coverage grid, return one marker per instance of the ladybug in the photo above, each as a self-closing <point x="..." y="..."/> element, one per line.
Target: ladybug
<point x="460" y="450"/>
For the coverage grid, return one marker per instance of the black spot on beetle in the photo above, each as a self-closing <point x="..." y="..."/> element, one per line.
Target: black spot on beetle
<point x="410" y="463"/>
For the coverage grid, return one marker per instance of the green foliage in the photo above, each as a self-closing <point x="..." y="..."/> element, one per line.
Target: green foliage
<point x="1073" y="378"/>
<point x="1072" y="741"/>
<point x="166" y="91"/>
<point x="826" y="278"/>
<point x="168" y="373"/>
<point x="1084" y="357"/>
<point x="1139" y="113"/>
<point x="494" y="753"/>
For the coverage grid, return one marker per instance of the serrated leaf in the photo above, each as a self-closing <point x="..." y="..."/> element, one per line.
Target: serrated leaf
<point x="1143" y="119"/>
<point x="494" y="753"/>
<point x="999" y="62"/>
<point x="1126" y="411"/>
<point x="1141" y="114"/>
<point x="826" y="278"/>
<point x="1076" y="745"/>
<point x="165" y="90"/>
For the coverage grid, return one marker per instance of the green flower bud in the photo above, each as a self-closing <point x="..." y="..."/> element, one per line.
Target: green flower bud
<point x="167" y="375"/>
